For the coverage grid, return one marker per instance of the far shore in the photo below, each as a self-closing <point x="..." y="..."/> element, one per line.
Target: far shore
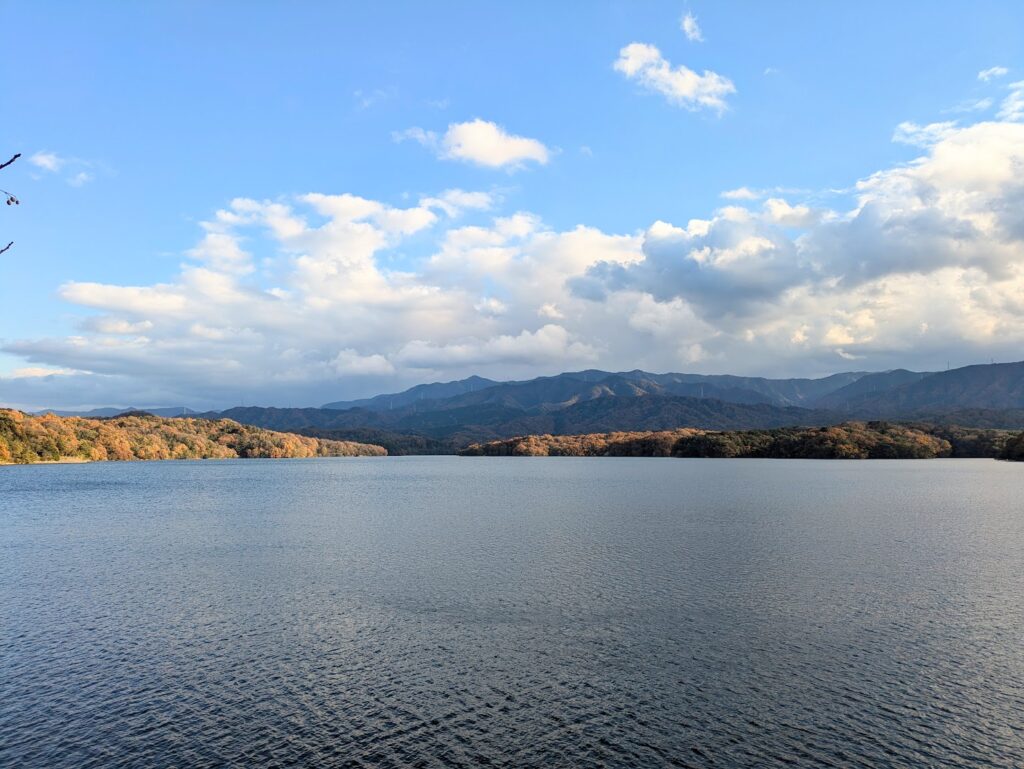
<point x="61" y="461"/>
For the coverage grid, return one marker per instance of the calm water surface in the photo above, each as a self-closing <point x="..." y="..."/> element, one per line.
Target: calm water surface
<point x="443" y="611"/>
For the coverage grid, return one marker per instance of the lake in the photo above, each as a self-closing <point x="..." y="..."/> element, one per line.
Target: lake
<point x="446" y="611"/>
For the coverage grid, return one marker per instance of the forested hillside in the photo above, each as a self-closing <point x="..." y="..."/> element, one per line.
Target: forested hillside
<point x="1014" y="449"/>
<point x="25" y="439"/>
<point x="852" y="440"/>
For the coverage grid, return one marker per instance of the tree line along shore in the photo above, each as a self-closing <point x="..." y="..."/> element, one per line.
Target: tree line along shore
<point x="27" y="438"/>
<point x="850" y="440"/>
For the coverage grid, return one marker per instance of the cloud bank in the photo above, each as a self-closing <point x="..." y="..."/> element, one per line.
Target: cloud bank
<point x="320" y="296"/>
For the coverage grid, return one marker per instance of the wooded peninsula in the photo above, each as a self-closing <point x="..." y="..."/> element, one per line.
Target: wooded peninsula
<point x="27" y="438"/>
<point x="850" y="440"/>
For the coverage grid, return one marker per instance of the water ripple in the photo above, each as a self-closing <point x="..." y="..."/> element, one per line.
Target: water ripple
<point x="444" y="612"/>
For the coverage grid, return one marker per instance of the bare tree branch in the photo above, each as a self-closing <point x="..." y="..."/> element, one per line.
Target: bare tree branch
<point x="11" y="200"/>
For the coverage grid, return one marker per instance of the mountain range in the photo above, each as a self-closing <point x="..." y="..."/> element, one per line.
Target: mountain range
<point x="444" y="416"/>
<point x="113" y="411"/>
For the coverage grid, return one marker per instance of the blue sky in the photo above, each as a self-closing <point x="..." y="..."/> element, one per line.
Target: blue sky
<point x="139" y="122"/>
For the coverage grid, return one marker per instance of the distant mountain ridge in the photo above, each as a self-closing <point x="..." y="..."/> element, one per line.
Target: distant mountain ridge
<point x="162" y="411"/>
<point x="562" y="390"/>
<point x="463" y="424"/>
<point x="433" y="416"/>
<point x="432" y="391"/>
<point x="987" y="386"/>
<point x="869" y="386"/>
<point x="996" y="386"/>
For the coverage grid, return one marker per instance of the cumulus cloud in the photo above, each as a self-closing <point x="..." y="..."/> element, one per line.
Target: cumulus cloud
<point x="992" y="72"/>
<point x="947" y="223"/>
<point x="322" y="311"/>
<point x="727" y="266"/>
<point x="350" y="295"/>
<point x="481" y="143"/>
<point x="488" y="144"/>
<point x="491" y="306"/>
<point x="349" y="362"/>
<point x="682" y="86"/>
<point x="781" y="212"/>
<point x="691" y="29"/>
<point x="550" y="343"/>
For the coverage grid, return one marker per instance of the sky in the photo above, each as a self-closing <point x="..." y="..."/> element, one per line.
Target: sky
<point x="289" y="204"/>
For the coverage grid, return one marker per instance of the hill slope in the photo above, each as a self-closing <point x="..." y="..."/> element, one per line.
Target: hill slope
<point x="458" y="426"/>
<point x="26" y="438"/>
<point x="869" y="385"/>
<point x="550" y="393"/>
<point x="594" y="401"/>
<point x="990" y="386"/>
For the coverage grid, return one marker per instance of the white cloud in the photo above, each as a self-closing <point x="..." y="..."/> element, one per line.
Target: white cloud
<point x="936" y="244"/>
<point x="779" y="211"/>
<point x="680" y="85"/>
<point x="453" y="202"/>
<point x="348" y="362"/>
<point x="119" y="326"/>
<point x="78" y="172"/>
<point x="1012" y="107"/>
<point x="488" y="144"/>
<point x="48" y="161"/>
<point x="742" y="193"/>
<point x="973" y="105"/>
<point x="333" y="311"/>
<point x="480" y="142"/>
<point x="690" y="28"/>
<point x="548" y="343"/>
<point x="922" y="135"/>
<point x="955" y="210"/>
<point x="992" y="72"/>
<point x="491" y="306"/>
<point x="34" y="372"/>
<point x="222" y="251"/>
<point x="550" y="310"/>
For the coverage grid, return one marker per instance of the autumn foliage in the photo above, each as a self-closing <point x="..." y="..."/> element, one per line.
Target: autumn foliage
<point x="852" y="440"/>
<point x="27" y="438"/>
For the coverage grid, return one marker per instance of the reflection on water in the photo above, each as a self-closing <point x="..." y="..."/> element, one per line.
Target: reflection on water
<point x="519" y="612"/>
